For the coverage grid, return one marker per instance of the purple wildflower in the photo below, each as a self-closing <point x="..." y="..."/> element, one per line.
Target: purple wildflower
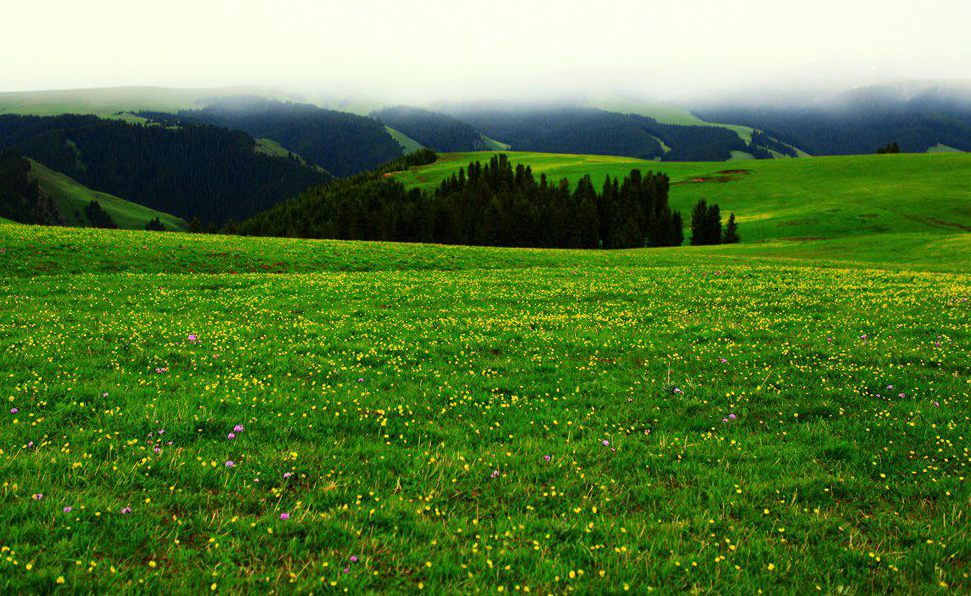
<point x="126" y="511"/>
<point x="68" y="509"/>
<point x="230" y="463"/>
<point x="238" y="428"/>
<point x="284" y="516"/>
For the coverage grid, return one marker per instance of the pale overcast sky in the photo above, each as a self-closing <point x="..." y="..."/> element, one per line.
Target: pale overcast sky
<point x="456" y="49"/>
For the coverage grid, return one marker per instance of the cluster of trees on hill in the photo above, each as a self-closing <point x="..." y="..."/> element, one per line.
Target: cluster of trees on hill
<point x="98" y="217"/>
<point x="706" y="226"/>
<point x="694" y="143"/>
<point x="494" y="204"/>
<point x="889" y="149"/>
<point x="200" y="171"/>
<point x="434" y="130"/>
<point x="20" y="198"/>
<point x="762" y="145"/>
<point x="343" y="144"/>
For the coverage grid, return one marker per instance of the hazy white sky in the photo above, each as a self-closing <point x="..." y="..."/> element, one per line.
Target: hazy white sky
<point x="459" y="48"/>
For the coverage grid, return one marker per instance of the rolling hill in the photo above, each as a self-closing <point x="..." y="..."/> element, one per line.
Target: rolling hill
<point x="70" y="197"/>
<point x="109" y="101"/>
<point x="918" y="116"/>
<point x="408" y="144"/>
<point x="434" y="130"/>
<point x="341" y="143"/>
<point x="193" y="170"/>
<point x="798" y="200"/>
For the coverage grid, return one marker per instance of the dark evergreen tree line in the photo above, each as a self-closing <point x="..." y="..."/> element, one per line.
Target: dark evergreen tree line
<point x="342" y="143"/>
<point x="762" y="145"/>
<point x="493" y="204"/>
<point x="438" y="131"/>
<point x="200" y="171"/>
<point x="706" y="226"/>
<point x="859" y="121"/>
<point x="98" y="217"/>
<point x="889" y="149"/>
<point x="585" y="130"/>
<point x="20" y="198"/>
<point x="564" y="130"/>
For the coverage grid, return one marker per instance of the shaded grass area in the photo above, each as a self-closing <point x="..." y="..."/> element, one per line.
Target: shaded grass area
<point x="38" y="250"/>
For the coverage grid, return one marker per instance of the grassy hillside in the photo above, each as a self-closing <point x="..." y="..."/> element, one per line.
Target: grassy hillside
<point x="832" y="197"/>
<point x="669" y="114"/>
<point x="468" y="419"/>
<point x="71" y="197"/>
<point x="494" y="145"/>
<point x="408" y="144"/>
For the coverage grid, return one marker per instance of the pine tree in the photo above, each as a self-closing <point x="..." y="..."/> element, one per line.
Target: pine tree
<point x="731" y="231"/>
<point x="699" y="223"/>
<point x="714" y="224"/>
<point x="98" y="217"/>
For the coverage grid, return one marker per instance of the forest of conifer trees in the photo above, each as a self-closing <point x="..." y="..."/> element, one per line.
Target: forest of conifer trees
<point x="492" y="204"/>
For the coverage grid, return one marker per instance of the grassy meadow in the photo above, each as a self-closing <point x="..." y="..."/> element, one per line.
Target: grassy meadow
<point x="791" y="414"/>
<point x="791" y="199"/>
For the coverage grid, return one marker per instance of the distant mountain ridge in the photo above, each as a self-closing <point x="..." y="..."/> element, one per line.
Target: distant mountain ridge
<point x="191" y="171"/>
<point x="858" y="121"/>
<point x="340" y="142"/>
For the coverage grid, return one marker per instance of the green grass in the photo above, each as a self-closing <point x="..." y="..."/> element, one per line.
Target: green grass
<point x="494" y="145"/>
<point x="408" y="144"/>
<point x="940" y="148"/>
<point x="789" y="414"/>
<point x="716" y="420"/>
<point x="795" y="199"/>
<point x="71" y="197"/>
<point x="271" y="148"/>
